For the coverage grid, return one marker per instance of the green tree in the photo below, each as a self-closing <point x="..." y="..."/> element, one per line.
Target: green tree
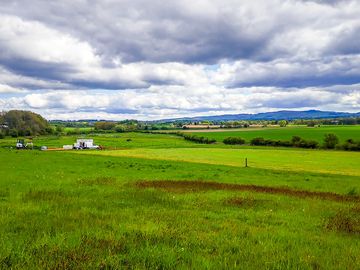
<point x="283" y="123"/>
<point x="59" y="129"/>
<point x="330" y="140"/>
<point x="25" y="122"/>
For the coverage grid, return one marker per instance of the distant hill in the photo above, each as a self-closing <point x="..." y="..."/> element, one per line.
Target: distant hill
<point x="279" y="115"/>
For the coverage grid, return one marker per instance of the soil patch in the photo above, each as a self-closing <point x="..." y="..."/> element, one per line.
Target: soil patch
<point x="197" y="186"/>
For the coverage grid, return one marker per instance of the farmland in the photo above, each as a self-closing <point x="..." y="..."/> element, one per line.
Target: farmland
<point x="276" y="133"/>
<point x="158" y="201"/>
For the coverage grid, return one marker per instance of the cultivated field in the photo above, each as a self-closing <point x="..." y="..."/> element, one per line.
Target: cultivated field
<point x="155" y="201"/>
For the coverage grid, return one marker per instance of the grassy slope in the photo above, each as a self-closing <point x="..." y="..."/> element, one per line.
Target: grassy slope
<point x="316" y="133"/>
<point x="79" y="211"/>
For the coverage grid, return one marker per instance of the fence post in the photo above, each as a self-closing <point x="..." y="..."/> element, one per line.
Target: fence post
<point x="246" y="164"/>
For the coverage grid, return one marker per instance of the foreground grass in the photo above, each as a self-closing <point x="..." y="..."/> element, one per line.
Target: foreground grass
<point x="65" y="210"/>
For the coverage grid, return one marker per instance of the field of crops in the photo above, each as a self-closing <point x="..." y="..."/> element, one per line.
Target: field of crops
<point x="157" y="201"/>
<point x="277" y="133"/>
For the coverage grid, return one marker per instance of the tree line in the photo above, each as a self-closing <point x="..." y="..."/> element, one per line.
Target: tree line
<point x="16" y="123"/>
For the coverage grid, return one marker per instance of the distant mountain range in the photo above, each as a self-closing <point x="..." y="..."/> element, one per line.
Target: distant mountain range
<point x="279" y="115"/>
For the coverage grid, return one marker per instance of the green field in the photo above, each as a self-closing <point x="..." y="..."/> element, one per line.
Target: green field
<point x="335" y="162"/>
<point x="156" y="201"/>
<point x="313" y="133"/>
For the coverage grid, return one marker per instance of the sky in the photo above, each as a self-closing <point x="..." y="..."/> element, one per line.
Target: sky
<point x="146" y="60"/>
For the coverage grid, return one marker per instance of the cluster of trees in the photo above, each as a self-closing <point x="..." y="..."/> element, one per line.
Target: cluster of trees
<point x="234" y="124"/>
<point x="23" y="123"/>
<point x="337" y="121"/>
<point x="331" y="141"/>
<point x="121" y="126"/>
<point x="264" y="123"/>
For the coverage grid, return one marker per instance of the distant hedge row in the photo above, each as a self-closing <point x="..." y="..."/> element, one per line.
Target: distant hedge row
<point x="233" y="140"/>
<point x="331" y="141"/>
<point x="296" y="141"/>
<point x="188" y="137"/>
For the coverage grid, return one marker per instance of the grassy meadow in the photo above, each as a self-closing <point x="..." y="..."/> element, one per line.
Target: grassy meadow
<point x="278" y="133"/>
<point x="156" y="201"/>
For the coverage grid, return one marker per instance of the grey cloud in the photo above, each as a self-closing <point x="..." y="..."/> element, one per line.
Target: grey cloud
<point x="264" y="54"/>
<point x="158" y="31"/>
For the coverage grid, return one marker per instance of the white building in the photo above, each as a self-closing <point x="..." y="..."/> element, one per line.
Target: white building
<point x="85" y="144"/>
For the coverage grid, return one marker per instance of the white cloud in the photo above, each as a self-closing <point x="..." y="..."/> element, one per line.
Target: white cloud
<point x="33" y="40"/>
<point x="165" y="59"/>
<point x="164" y="101"/>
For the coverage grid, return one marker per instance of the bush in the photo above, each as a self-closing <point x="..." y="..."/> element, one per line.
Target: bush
<point x="295" y="140"/>
<point x="351" y="145"/>
<point x="197" y="139"/>
<point x="308" y="144"/>
<point x="283" y="123"/>
<point x="233" y="140"/>
<point x="330" y="141"/>
<point x="13" y="133"/>
<point x="258" y="141"/>
<point x="2" y="136"/>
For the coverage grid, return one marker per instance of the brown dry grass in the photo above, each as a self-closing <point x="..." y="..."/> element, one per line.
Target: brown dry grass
<point x="196" y="186"/>
<point x="347" y="221"/>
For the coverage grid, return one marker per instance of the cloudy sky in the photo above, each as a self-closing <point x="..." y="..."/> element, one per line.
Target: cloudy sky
<point x="118" y="59"/>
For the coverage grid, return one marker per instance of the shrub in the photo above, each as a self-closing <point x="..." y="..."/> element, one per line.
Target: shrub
<point x="295" y="140"/>
<point x="233" y="140"/>
<point x="351" y="145"/>
<point x="283" y="123"/>
<point x="2" y="136"/>
<point x="308" y="144"/>
<point x="257" y="141"/>
<point x="197" y="139"/>
<point x="330" y="141"/>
